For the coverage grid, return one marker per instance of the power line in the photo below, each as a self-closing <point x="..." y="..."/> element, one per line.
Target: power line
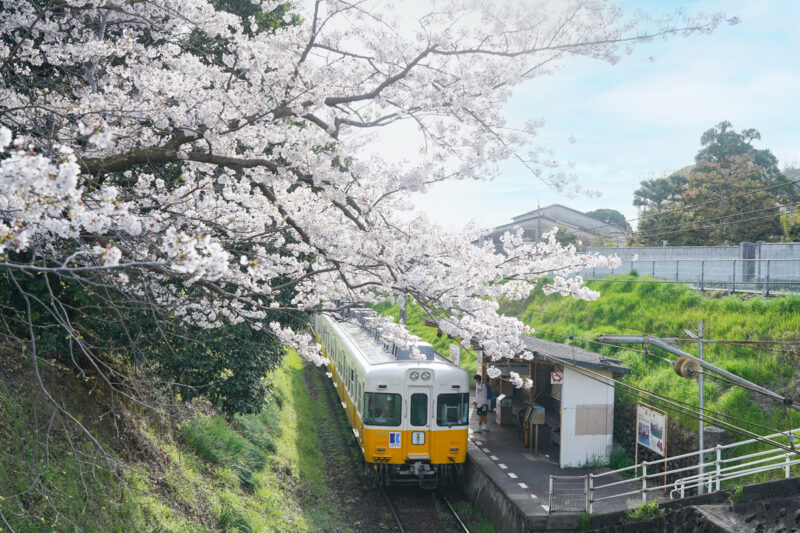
<point x="717" y="224"/>
<point x="675" y="405"/>
<point x="647" y="232"/>
<point x="647" y="352"/>
<point x="746" y="343"/>
<point x="684" y="208"/>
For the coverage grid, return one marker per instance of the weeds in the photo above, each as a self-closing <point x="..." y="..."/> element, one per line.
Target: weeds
<point x="735" y="496"/>
<point x="646" y="511"/>
<point x="584" y="522"/>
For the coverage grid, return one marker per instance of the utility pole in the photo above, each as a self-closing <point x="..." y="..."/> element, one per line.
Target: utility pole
<point x="538" y="221"/>
<point x="700" y="488"/>
<point x="702" y="429"/>
<point x="666" y="346"/>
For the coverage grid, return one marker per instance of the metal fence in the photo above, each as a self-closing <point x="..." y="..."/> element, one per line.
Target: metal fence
<point x="714" y="469"/>
<point x="568" y="494"/>
<point x="751" y="275"/>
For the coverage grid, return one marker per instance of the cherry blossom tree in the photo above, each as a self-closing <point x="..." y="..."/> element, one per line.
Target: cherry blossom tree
<point x="205" y="160"/>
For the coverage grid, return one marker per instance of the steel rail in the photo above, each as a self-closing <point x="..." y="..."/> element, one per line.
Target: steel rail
<point x="393" y="510"/>
<point x="461" y="526"/>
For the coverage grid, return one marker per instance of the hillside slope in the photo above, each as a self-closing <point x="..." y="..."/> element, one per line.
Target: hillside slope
<point x="194" y="471"/>
<point x="665" y="310"/>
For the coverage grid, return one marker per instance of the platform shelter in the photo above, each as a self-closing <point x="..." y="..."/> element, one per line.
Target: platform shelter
<point x="568" y="414"/>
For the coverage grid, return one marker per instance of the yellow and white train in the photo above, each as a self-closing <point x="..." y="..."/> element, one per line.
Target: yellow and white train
<point x="409" y="416"/>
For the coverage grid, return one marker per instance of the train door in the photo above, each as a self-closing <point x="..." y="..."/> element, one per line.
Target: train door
<point x="418" y="424"/>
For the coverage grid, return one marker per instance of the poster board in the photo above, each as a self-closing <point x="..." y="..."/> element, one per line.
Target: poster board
<point x="651" y="428"/>
<point x="455" y="354"/>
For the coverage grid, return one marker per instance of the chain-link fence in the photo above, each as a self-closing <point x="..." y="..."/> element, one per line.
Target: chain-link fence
<point x="732" y="275"/>
<point x="569" y="494"/>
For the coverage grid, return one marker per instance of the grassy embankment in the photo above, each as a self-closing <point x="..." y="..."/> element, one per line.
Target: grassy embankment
<point x="666" y="310"/>
<point x="261" y="472"/>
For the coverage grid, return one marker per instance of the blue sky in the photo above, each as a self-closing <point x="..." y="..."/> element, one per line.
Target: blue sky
<point x="643" y="117"/>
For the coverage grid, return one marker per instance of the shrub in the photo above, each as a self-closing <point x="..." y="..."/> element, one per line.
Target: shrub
<point x="646" y="511"/>
<point x="619" y="459"/>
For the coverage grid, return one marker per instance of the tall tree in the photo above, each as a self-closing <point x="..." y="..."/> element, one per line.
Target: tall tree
<point x="196" y="165"/>
<point x="610" y="216"/>
<point x="734" y="192"/>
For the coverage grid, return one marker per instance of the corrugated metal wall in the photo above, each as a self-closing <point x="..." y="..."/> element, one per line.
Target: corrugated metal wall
<point x="587" y="419"/>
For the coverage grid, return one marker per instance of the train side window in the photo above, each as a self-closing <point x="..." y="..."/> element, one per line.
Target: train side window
<point x="452" y="409"/>
<point x="419" y="409"/>
<point x="382" y="409"/>
<point x="353" y="380"/>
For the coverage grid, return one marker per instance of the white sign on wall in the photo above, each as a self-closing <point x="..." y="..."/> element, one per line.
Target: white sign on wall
<point x="651" y="428"/>
<point x="455" y="354"/>
<point x="556" y="377"/>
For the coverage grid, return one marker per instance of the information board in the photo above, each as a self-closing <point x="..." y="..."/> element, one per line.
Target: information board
<point x="455" y="354"/>
<point x="651" y="428"/>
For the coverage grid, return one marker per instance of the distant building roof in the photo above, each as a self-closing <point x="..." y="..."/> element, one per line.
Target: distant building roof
<point x="589" y="229"/>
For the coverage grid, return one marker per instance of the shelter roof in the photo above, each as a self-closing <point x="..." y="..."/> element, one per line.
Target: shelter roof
<point x="556" y="352"/>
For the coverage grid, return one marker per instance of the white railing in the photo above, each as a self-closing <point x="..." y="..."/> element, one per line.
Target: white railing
<point x="733" y="275"/>
<point x="652" y="476"/>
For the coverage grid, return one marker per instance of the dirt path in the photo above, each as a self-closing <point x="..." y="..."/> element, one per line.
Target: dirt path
<point x="360" y="504"/>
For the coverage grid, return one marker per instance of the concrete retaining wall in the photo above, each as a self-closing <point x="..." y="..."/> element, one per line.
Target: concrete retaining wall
<point x="507" y="513"/>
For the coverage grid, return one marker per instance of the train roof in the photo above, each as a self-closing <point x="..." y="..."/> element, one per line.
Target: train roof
<point x="372" y="347"/>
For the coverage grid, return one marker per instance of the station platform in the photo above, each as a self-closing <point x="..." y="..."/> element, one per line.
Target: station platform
<point x="518" y="481"/>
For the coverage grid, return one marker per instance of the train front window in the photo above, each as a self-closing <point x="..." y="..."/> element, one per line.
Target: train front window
<point x="419" y="409"/>
<point x="452" y="409"/>
<point x="382" y="409"/>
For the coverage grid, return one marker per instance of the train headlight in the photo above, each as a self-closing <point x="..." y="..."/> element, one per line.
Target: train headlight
<point x="426" y="376"/>
<point x="414" y="376"/>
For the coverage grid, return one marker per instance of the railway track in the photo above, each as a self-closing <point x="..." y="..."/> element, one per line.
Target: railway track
<point x="424" y="511"/>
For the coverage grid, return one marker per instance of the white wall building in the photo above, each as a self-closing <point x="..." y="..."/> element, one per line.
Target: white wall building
<point x="591" y="231"/>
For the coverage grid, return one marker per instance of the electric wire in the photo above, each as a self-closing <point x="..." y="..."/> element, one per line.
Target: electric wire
<point x="681" y="230"/>
<point x="648" y="233"/>
<point x="762" y="344"/>
<point x="671" y="362"/>
<point x="694" y="206"/>
<point x="674" y="405"/>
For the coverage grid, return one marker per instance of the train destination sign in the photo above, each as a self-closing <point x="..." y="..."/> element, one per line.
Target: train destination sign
<point x="651" y="428"/>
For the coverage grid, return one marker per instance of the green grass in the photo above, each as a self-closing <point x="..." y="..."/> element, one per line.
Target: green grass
<point x="665" y="310"/>
<point x="259" y="472"/>
<point x="472" y="518"/>
<point x="646" y="511"/>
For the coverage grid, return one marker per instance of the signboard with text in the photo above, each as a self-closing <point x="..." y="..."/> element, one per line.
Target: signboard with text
<point x="455" y="354"/>
<point x="651" y="428"/>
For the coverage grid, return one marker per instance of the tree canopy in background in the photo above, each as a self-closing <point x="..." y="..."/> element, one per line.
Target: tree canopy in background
<point x="734" y="192"/>
<point x="610" y="216"/>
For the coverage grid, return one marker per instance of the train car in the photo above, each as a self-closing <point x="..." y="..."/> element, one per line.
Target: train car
<point x="409" y="415"/>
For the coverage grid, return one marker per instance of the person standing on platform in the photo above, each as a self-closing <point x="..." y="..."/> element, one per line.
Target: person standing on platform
<point x="481" y="404"/>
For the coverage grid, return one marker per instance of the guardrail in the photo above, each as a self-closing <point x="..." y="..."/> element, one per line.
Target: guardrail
<point x="710" y="475"/>
<point x="750" y="275"/>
